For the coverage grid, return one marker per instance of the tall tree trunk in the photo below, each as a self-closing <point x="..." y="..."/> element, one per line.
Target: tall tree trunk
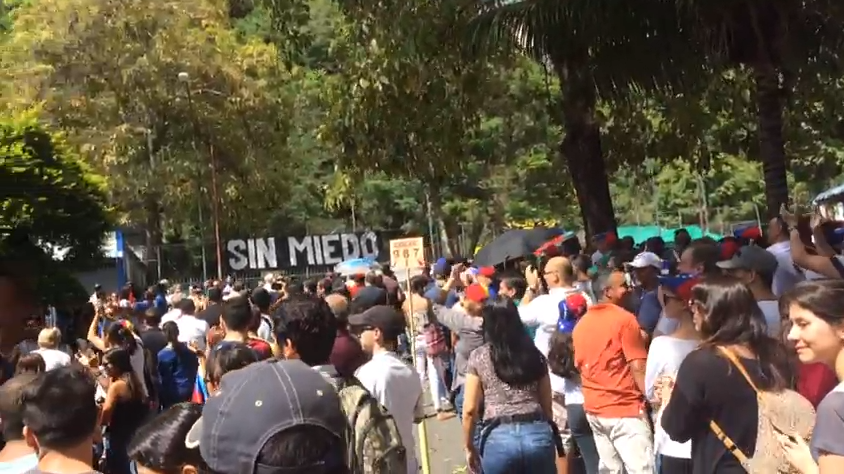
<point x="582" y="151"/>
<point x="771" y="143"/>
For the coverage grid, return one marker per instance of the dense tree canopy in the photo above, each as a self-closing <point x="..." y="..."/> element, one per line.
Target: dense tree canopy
<point x="47" y="196"/>
<point x="317" y="116"/>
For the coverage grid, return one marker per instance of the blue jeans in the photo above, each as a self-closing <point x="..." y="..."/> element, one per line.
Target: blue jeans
<point x="581" y="433"/>
<point x="519" y="448"/>
<point x="458" y="407"/>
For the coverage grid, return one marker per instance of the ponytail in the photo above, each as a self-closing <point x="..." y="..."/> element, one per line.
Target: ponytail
<point x="120" y="333"/>
<point x="171" y="333"/>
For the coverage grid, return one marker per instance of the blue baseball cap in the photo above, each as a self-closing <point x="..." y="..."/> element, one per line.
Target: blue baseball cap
<point x="680" y="285"/>
<point x="441" y="267"/>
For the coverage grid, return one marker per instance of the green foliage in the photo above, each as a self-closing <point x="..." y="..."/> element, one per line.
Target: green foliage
<point x="407" y="94"/>
<point x="318" y="116"/>
<point x="46" y="193"/>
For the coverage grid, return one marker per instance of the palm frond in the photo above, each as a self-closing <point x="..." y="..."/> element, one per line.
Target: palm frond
<point x="625" y="49"/>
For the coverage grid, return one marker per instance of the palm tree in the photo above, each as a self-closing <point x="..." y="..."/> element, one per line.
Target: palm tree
<point x="605" y="48"/>
<point x="597" y="49"/>
<point x="777" y="40"/>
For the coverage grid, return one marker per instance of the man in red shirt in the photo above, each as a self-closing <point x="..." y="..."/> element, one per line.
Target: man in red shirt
<point x="610" y="354"/>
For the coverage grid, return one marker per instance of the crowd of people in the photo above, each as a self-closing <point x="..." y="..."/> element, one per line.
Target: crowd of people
<point x="708" y="356"/>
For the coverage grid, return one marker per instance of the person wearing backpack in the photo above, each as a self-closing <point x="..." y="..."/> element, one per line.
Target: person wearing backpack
<point x="732" y="396"/>
<point x="306" y="331"/>
<point x="262" y="299"/>
<point x="395" y="384"/>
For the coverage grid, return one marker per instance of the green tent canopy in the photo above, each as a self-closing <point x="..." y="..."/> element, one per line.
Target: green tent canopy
<point x="641" y="233"/>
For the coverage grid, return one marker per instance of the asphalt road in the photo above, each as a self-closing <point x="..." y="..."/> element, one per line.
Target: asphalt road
<point x="445" y="454"/>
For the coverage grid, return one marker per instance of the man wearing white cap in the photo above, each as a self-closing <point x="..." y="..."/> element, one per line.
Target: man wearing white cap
<point x="646" y="268"/>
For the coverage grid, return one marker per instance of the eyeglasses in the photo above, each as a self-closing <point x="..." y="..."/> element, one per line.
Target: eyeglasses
<point x="666" y="297"/>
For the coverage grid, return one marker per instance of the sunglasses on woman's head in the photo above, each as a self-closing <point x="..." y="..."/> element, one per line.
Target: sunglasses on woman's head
<point x="666" y="297"/>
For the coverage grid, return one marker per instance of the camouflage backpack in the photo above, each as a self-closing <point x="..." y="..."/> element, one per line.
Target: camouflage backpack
<point x="375" y="445"/>
<point x="785" y="412"/>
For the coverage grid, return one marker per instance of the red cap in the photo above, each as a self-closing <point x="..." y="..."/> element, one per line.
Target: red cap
<point x="476" y="293"/>
<point x="488" y="272"/>
<point x="728" y="248"/>
<point x="577" y="304"/>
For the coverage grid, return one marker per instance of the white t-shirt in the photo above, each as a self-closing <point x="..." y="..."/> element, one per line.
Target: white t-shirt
<point x="192" y="329"/>
<point x="596" y="257"/>
<point x="786" y="275"/>
<point x="771" y="310"/>
<point x="396" y="385"/>
<point x="138" y="361"/>
<point x="666" y="325"/>
<point x="543" y="312"/>
<point x="665" y="355"/>
<point x="171" y="315"/>
<point x="265" y="330"/>
<point x="53" y="358"/>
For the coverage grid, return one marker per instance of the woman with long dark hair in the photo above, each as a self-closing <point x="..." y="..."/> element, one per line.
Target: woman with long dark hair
<point x="713" y="384"/>
<point x="159" y="446"/>
<point x="816" y="311"/>
<point x="509" y="376"/>
<point x="124" y="409"/>
<point x="177" y="368"/>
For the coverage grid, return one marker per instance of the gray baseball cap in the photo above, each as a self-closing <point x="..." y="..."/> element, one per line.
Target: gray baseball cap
<point x="258" y="401"/>
<point x="751" y="257"/>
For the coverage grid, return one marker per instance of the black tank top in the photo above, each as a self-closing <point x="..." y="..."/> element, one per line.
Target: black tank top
<point x="126" y="418"/>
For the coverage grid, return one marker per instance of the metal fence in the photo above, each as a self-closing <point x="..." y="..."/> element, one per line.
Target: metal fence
<point x="189" y="263"/>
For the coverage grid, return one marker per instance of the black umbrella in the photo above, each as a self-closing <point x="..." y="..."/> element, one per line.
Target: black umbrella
<point x="514" y="244"/>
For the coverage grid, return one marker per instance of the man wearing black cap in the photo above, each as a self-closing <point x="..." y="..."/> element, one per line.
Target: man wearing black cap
<point x="272" y="416"/>
<point x="394" y="383"/>
<point x="756" y="267"/>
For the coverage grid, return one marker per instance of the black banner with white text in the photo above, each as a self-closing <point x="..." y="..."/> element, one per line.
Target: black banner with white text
<point x="300" y="252"/>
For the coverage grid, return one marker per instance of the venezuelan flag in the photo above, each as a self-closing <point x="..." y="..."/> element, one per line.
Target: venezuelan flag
<point x="200" y="391"/>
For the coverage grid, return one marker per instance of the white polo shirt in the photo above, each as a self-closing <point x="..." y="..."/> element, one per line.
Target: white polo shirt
<point x="543" y="312"/>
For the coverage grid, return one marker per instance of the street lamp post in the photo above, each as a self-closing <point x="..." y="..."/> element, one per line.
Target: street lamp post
<point x="184" y="77"/>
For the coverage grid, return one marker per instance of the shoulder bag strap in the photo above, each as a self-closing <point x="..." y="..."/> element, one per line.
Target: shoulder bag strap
<point x="738" y="365"/>
<point x="719" y="433"/>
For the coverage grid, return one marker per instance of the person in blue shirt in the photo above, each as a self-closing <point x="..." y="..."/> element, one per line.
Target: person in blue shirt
<point x="141" y="306"/>
<point x="177" y="368"/>
<point x="646" y="268"/>
<point x="160" y="301"/>
<point x="441" y="272"/>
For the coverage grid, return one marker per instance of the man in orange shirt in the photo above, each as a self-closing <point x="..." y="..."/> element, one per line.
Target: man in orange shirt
<point x="610" y="354"/>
